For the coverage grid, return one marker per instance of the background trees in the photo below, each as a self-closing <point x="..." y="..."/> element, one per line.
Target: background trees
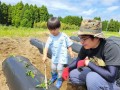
<point x="3" y="13"/>
<point x="73" y="20"/>
<point x="26" y="15"/>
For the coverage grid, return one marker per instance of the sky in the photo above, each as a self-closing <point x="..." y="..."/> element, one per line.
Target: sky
<point x="88" y="9"/>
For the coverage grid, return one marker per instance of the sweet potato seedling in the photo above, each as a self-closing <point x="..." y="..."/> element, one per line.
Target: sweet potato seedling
<point x="30" y="73"/>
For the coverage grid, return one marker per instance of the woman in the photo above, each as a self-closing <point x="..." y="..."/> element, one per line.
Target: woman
<point x="100" y="70"/>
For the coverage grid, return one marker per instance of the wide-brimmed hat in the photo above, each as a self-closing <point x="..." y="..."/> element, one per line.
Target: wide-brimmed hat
<point x="91" y="27"/>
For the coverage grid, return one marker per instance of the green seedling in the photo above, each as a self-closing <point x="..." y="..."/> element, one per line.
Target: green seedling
<point x="30" y="73"/>
<point x="49" y="82"/>
<point x="42" y="85"/>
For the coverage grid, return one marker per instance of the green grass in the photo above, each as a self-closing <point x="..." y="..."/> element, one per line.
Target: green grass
<point x="108" y="34"/>
<point x="10" y="31"/>
<point x="20" y="32"/>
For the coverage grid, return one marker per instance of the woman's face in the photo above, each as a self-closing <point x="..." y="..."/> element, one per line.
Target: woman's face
<point x="88" y="42"/>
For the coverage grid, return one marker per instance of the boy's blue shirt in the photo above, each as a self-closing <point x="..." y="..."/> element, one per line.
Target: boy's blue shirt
<point x="58" y="45"/>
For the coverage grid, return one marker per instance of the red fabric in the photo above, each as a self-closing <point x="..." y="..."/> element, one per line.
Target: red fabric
<point x="65" y="74"/>
<point x="81" y="63"/>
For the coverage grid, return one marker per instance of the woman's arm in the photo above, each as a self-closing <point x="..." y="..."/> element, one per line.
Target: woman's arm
<point x="73" y="65"/>
<point x="108" y="73"/>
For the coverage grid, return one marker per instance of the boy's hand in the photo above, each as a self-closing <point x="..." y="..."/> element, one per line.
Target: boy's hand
<point x="72" y="55"/>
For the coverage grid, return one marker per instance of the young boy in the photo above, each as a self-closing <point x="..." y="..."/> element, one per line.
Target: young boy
<point x="58" y="42"/>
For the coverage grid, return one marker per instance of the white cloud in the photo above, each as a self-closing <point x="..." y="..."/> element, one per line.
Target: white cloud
<point x="113" y="8"/>
<point x="55" y="5"/>
<point x="37" y="2"/>
<point x="89" y="12"/>
<point x="62" y="5"/>
<point x="87" y="3"/>
<point x="108" y="2"/>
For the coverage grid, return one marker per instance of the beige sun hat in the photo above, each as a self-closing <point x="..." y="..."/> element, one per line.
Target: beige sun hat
<point x="91" y="27"/>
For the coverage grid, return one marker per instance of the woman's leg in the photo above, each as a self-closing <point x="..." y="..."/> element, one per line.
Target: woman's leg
<point x="116" y="87"/>
<point x="95" y="82"/>
<point x="79" y="77"/>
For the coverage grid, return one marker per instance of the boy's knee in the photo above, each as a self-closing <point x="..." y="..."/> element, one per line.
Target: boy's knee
<point x="54" y="67"/>
<point x="60" y="67"/>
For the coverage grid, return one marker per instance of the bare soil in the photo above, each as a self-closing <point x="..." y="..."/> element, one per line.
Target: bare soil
<point x="22" y="46"/>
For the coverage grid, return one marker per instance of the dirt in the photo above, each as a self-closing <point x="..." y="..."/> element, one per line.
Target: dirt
<point x="22" y="46"/>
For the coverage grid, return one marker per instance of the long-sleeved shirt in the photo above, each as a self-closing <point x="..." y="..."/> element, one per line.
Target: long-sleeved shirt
<point x="109" y="52"/>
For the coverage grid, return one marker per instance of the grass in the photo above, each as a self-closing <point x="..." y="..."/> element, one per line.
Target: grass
<point x="20" y="32"/>
<point x="10" y="31"/>
<point x="108" y="34"/>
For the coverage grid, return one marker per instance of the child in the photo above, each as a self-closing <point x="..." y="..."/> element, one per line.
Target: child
<point x="58" y="42"/>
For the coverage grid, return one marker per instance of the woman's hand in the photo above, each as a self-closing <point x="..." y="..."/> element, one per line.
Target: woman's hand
<point x="65" y="74"/>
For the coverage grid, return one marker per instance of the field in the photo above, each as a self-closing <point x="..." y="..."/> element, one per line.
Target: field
<point x="15" y="41"/>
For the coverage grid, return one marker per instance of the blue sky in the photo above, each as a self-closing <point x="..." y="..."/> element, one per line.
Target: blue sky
<point x="88" y="9"/>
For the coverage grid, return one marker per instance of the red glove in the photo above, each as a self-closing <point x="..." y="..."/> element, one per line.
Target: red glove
<point x="65" y="74"/>
<point x="80" y="63"/>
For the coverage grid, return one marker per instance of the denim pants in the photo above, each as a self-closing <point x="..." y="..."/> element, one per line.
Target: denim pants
<point x="92" y="80"/>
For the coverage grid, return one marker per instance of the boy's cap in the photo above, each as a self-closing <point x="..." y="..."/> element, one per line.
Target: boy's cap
<point x="91" y="27"/>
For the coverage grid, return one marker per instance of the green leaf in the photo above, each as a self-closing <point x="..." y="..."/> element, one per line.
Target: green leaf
<point x="42" y="85"/>
<point x="30" y="73"/>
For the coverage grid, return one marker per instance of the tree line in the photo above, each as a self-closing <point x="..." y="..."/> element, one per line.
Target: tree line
<point x="26" y="15"/>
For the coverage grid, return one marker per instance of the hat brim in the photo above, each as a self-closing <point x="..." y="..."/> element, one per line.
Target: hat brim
<point x="99" y="35"/>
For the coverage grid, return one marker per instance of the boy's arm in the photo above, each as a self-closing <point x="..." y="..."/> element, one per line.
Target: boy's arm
<point x="45" y="50"/>
<point x="70" y="52"/>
